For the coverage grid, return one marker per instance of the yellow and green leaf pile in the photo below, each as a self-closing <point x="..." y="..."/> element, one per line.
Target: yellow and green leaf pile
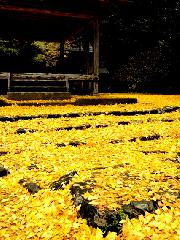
<point x="117" y="170"/>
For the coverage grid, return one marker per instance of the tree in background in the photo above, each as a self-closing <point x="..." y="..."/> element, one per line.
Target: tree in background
<point x="139" y="48"/>
<point x="32" y="56"/>
<point x="9" y="53"/>
<point x="141" y="45"/>
<point x="16" y="55"/>
<point x="48" y="54"/>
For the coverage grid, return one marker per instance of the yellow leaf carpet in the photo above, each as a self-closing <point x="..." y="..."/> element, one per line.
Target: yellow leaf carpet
<point x="116" y="158"/>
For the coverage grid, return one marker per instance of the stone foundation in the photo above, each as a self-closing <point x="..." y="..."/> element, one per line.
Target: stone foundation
<point x="38" y="95"/>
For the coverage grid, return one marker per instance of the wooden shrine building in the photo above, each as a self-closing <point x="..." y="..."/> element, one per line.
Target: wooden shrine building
<point x="53" y="20"/>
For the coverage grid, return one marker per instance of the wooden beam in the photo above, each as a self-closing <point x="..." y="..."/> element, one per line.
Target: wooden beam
<point x="96" y="47"/>
<point x="9" y="81"/>
<point x="52" y="76"/>
<point x="4" y="75"/>
<point x="44" y="12"/>
<point x="75" y="33"/>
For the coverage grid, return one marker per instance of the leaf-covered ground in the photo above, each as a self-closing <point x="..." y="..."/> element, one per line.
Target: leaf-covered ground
<point x="120" y="158"/>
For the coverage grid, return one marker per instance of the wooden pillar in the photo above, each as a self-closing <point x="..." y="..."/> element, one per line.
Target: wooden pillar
<point x="85" y="45"/>
<point x="96" y="53"/>
<point x="61" y="58"/>
<point x="9" y="82"/>
<point x="86" y="53"/>
<point x="62" y="50"/>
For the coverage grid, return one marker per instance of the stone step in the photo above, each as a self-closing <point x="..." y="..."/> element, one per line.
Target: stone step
<point x="38" y="89"/>
<point x="38" y="83"/>
<point x="38" y="95"/>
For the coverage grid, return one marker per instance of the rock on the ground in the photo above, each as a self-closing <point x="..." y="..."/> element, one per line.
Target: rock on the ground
<point x="136" y="208"/>
<point x="150" y="138"/>
<point x="4" y="103"/>
<point x="3" y="171"/>
<point x="2" y="153"/>
<point x="64" y="180"/>
<point x="106" y="221"/>
<point x="76" y="143"/>
<point x="32" y="166"/>
<point x="178" y="157"/>
<point x="21" y="131"/>
<point x="32" y="187"/>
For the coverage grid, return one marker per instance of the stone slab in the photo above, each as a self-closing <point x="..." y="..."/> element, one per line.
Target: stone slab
<point x="38" y="95"/>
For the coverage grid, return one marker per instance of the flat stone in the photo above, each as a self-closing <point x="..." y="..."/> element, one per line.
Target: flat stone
<point x="150" y="138"/>
<point x="32" y="187"/>
<point x="101" y="125"/>
<point x="76" y="143"/>
<point x="75" y="115"/>
<point x="123" y="123"/>
<point x="115" y="141"/>
<point x="39" y="95"/>
<point x="33" y="166"/>
<point x="21" y="131"/>
<point x="3" y="171"/>
<point x="136" y="208"/>
<point x="60" y="144"/>
<point x="2" y="153"/>
<point x="104" y="101"/>
<point x="64" y="180"/>
<point x="4" y="103"/>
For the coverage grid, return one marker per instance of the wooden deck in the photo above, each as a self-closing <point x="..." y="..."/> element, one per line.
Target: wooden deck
<point x="57" y="20"/>
<point x="24" y="86"/>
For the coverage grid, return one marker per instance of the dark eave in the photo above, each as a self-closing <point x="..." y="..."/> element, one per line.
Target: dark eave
<point x="51" y="20"/>
<point x="44" y="12"/>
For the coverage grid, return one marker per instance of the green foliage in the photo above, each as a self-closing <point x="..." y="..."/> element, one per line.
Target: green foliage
<point x="9" y="47"/>
<point x="48" y="53"/>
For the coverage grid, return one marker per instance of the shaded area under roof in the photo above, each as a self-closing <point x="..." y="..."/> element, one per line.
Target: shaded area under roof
<point x="50" y="20"/>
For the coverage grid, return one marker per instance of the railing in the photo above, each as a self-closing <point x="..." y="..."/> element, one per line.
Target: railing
<point x="43" y="82"/>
